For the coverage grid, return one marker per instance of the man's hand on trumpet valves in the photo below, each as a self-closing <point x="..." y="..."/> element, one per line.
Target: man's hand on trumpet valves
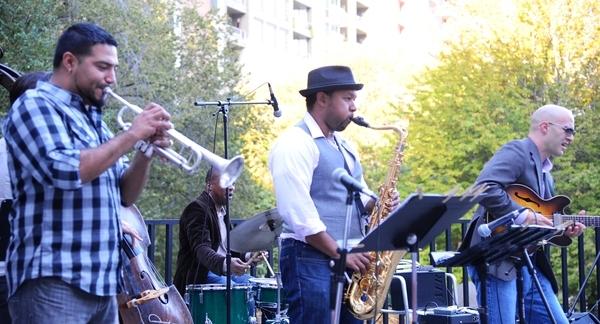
<point x="151" y="124"/>
<point x="161" y="139"/>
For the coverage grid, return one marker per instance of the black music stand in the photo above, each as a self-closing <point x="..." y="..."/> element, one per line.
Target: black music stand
<point x="413" y="225"/>
<point x="513" y="242"/>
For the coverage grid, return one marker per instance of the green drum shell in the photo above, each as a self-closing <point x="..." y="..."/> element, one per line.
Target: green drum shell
<point x="267" y="293"/>
<point x="207" y="302"/>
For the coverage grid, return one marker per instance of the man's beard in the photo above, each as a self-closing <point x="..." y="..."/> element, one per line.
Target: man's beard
<point x="99" y="103"/>
<point x="341" y="125"/>
<point x="89" y="97"/>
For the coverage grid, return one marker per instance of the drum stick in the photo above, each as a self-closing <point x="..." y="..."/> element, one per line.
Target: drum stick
<point x="268" y="265"/>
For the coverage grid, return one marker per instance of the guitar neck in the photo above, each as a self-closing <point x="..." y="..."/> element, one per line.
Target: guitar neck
<point x="593" y="221"/>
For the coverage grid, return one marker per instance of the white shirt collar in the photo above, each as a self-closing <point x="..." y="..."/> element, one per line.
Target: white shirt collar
<point x="547" y="165"/>
<point x="313" y="127"/>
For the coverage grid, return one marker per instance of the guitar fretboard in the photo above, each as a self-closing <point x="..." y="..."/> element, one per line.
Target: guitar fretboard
<point x="593" y="221"/>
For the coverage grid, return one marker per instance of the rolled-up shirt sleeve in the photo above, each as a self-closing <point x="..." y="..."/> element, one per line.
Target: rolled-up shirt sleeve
<point x="292" y="162"/>
<point x="37" y="136"/>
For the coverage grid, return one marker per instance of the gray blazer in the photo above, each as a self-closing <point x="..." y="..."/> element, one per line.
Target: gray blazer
<point x="516" y="162"/>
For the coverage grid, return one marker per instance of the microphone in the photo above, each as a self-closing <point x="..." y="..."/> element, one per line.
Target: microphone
<point x="485" y="230"/>
<point x="350" y="183"/>
<point x="276" y="111"/>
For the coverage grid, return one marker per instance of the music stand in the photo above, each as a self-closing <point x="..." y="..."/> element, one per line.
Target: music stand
<point x="413" y="225"/>
<point x="513" y="242"/>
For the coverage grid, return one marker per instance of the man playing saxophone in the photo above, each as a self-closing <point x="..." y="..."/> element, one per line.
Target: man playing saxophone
<point x="311" y="203"/>
<point x="69" y="180"/>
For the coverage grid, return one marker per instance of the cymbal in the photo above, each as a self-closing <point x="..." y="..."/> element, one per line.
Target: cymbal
<point x="257" y="233"/>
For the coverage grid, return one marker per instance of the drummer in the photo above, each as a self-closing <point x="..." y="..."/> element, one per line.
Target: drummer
<point x="202" y="240"/>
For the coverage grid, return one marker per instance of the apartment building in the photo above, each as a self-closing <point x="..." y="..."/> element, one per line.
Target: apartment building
<point x="282" y="37"/>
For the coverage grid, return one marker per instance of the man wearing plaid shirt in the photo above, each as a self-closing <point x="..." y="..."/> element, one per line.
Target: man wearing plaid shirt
<point x="68" y="180"/>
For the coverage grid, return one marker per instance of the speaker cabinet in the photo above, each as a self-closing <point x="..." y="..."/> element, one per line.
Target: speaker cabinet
<point x="432" y="290"/>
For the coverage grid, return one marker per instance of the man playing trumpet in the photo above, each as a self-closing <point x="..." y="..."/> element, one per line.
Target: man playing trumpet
<point x="69" y="179"/>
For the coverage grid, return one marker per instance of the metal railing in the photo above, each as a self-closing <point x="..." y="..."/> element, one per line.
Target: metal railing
<point x="583" y="264"/>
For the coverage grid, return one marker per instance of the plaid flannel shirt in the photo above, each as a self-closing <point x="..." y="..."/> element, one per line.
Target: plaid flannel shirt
<point x="60" y="226"/>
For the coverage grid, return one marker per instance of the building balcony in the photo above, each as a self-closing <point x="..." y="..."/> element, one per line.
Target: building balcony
<point x="361" y="7"/>
<point x="360" y="23"/>
<point x="239" y="37"/>
<point x="240" y="6"/>
<point x="361" y="35"/>
<point x="302" y="30"/>
<point x="302" y="4"/>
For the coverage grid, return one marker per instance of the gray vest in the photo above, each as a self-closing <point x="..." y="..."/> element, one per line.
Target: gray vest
<point x="330" y="196"/>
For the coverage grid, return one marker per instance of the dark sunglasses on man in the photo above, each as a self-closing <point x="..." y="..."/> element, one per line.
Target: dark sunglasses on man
<point x="567" y="130"/>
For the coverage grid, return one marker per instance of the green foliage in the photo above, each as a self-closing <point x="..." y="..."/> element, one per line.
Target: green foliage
<point x="464" y="109"/>
<point x="27" y="36"/>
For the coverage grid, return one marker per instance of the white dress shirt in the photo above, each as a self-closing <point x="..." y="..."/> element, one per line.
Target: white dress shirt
<point x="292" y="161"/>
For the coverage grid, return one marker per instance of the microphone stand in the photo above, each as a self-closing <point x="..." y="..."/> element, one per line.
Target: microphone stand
<point x="338" y="275"/>
<point x="583" y="284"/>
<point x="224" y="109"/>
<point x="229" y="103"/>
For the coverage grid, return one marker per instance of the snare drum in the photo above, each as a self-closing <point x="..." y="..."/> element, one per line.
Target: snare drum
<point x="207" y="303"/>
<point x="266" y="290"/>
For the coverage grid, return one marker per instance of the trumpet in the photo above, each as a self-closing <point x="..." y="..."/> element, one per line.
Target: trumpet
<point x="190" y="155"/>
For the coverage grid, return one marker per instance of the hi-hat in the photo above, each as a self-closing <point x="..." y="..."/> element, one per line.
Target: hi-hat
<point x="257" y="233"/>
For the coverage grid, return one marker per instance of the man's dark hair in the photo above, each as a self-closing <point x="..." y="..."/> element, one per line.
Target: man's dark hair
<point x="312" y="98"/>
<point x="208" y="175"/>
<point x="79" y="39"/>
<point x="26" y="82"/>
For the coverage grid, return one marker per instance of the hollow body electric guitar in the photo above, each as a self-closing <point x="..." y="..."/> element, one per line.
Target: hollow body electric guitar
<point x="551" y="208"/>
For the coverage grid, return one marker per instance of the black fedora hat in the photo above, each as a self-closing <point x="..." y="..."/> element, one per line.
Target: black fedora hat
<point x="326" y="78"/>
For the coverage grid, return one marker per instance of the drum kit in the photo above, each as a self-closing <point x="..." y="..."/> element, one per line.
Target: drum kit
<point x="206" y="302"/>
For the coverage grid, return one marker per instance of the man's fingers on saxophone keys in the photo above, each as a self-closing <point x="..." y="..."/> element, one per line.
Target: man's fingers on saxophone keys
<point x="358" y="262"/>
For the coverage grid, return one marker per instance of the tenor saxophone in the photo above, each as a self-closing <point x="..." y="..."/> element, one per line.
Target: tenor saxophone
<point x="367" y="293"/>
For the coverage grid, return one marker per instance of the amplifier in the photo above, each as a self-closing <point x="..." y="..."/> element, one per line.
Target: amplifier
<point x="432" y="289"/>
<point x="462" y="318"/>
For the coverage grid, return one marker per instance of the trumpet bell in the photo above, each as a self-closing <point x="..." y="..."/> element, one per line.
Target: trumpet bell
<point x="230" y="171"/>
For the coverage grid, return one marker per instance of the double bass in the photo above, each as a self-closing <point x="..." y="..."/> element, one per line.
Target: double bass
<point x="7" y="74"/>
<point x="145" y="297"/>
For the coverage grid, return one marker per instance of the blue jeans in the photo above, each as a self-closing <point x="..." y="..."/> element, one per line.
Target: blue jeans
<point x="4" y="314"/>
<point x="51" y="300"/>
<point x="214" y="278"/>
<point x="502" y="298"/>
<point x="306" y="278"/>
